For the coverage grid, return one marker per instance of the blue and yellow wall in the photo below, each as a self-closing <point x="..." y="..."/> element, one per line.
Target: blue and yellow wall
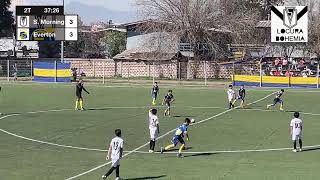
<point x="51" y="72"/>
<point x="275" y="81"/>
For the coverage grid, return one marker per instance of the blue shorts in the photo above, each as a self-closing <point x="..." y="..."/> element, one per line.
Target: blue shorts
<point x="277" y="101"/>
<point x="176" y="139"/>
<point x="241" y="98"/>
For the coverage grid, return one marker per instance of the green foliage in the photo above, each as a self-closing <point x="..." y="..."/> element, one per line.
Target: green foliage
<point x="6" y="19"/>
<point x="115" y="42"/>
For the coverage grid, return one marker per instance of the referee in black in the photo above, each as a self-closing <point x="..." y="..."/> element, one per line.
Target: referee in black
<point x="79" y="101"/>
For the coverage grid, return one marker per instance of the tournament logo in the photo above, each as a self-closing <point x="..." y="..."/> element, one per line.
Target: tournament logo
<point x="289" y="24"/>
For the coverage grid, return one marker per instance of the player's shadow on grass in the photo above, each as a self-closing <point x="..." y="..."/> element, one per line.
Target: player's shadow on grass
<point x="149" y="177"/>
<point x="177" y="149"/>
<point x="184" y="116"/>
<point x="200" y="154"/>
<point x="311" y="149"/>
<point x="98" y="109"/>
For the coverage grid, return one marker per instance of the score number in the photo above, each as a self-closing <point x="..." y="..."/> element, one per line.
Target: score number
<point x="71" y="27"/>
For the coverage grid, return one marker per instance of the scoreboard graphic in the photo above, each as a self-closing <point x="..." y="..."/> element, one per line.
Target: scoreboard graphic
<point x="45" y="23"/>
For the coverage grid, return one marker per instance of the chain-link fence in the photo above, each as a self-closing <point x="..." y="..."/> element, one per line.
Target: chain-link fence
<point x="16" y="70"/>
<point x="280" y="72"/>
<point x="269" y="73"/>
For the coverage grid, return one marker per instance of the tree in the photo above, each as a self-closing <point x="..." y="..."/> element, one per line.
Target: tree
<point x="115" y="42"/>
<point x="262" y="8"/>
<point x="314" y="27"/>
<point x="6" y="19"/>
<point x="189" y="20"/>
<point x="49" y="49"/>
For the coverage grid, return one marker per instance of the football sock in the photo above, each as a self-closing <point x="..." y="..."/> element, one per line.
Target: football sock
<point x="81" y="104"/>
<point x="118" y="171"/>
<point x="169" y="147"/>
<point x="294" y="144"/>
<point x="110" y="171"/>
<point x="281" y="106"/>
<point x="181" y="148"/>
<point x="300" y="143"/>
<point x="151" y="144"/>
<point x="76" y="107"/>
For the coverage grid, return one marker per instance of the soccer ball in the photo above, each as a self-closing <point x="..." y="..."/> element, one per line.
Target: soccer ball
<point x="193" y="121"/>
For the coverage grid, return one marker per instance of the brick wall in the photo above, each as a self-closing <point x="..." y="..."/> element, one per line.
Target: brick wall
<point x="189" y="70"/>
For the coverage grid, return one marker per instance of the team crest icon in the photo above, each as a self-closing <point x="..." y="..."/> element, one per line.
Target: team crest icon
<point x="23" y="21"/>
<point x="290" y="17"/>
<point x="23" y="34"/>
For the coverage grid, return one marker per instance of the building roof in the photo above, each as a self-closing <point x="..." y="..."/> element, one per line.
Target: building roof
<point x="264" y="24"/>
<point x="105" y="29"/>
<point x="220" y="30"/>
<point x="138" y="22"/>
<point x="133" y="55"/>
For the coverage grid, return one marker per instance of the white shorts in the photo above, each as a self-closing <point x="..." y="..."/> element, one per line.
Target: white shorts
<point x="115" y="162"/>
<point x="230" y="99"/>
<point x="153" y="133"/>
<point x="296" y="137"/>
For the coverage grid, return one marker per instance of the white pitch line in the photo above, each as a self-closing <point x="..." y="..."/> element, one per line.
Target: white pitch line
<point x="232" y="151"/>
<point x="145" y="85"/>
<point x="255" y="109"/>
<point x="145" y="152"/>
<point x="202" y="121"/>
<point x="102" y="150"/>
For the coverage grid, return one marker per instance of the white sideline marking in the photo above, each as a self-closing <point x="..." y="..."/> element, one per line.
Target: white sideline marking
<point x="255" y="109"/>
<point x="184" y="86"/>
<point x="130" y="152"/>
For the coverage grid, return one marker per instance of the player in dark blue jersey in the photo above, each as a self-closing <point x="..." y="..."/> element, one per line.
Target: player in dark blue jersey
<point x="241" y="96"/>
<point x="277" y="100"/>
<point x="180" y="133"/>
<point x="167" y="100"/>
<point x="154" y="92"/>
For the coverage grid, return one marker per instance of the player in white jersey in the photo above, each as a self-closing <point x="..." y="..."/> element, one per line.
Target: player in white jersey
<point x="115" y="152"/>
<point x="154" y="128"/>
<point x="296" y="131"/>
<point x="231" y="95"/>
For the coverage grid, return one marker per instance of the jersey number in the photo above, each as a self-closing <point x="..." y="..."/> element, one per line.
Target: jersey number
<point x="297" y="125"/>
<point x="115" y="145"/>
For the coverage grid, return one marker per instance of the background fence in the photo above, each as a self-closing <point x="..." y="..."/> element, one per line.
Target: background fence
<point x="202" y="72"/>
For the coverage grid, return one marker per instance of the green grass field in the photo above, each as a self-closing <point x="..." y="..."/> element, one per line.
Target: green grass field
<point x="44" y="112"/>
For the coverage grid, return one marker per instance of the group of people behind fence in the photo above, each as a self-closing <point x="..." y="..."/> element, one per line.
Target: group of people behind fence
<point x="290" y="67"/>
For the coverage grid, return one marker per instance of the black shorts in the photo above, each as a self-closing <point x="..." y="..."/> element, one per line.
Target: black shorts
<point x="79" y="95"/>
<point x="154" y="95"/>
<point x="168" y="104"/>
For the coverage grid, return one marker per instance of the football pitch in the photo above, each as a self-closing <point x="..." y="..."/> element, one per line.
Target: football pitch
<point x="42" y="137"/>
